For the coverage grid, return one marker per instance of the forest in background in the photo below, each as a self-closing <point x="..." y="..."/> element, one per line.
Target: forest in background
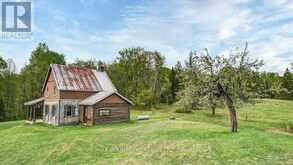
<point x="143" y="76"/>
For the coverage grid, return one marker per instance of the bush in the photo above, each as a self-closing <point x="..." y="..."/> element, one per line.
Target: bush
<point x="183" y="110"/>
<point x="288" y="126"/>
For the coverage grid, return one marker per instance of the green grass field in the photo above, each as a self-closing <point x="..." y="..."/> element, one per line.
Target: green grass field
<point x="196" y="138"/>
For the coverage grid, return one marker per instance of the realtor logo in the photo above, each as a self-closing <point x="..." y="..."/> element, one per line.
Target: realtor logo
<point x="16" y="16"/>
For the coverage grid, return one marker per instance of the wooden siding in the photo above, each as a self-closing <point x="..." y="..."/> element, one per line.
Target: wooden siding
<point x="51" y="96"/>
<point x="81" y="113"/>
<point x="49" y="89"/>
<point x="119" y="110"/>
<point x="78" y="95"/>
<point x="87" y="114"/>
<point x="118" y="114"/>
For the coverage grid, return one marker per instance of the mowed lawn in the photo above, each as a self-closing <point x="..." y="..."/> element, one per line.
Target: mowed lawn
<point x="196" y="138"/>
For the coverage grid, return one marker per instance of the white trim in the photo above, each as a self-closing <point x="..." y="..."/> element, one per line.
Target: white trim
<point x="51" y="102"/>
<point x="104" y="108"/>
<point x="35" y="101"/>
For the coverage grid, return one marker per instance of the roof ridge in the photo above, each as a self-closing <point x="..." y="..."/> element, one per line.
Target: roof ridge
<point x="70" y="66"/>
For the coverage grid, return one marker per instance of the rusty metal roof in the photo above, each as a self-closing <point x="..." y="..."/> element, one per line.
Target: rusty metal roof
<point x="75" y="78"/>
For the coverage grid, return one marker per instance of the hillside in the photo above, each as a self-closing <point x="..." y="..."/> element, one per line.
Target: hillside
<point x="196" y="138"/>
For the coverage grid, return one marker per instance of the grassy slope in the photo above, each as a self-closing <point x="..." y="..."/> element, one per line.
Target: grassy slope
<point x="194" y="138"/>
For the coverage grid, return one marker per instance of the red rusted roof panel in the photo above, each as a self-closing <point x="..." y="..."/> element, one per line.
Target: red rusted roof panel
<point x="75" y="78"/>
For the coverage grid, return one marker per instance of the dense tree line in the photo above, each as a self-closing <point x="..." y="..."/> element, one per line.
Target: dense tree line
<point x="142" y="75"/>
<point x="17" y="88"/>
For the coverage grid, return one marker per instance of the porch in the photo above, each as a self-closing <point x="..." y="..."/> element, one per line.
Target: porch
<point x="35" y="110"/>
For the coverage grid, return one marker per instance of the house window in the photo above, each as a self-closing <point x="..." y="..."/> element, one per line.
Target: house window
<point x="53" y="112"/>
<point x="70" y="111"/>
<point x="104" y="112"/>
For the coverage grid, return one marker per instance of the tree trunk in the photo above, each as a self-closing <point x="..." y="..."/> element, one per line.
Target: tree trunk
<point x="230" y="105"/>
<point x="213" y="110"/>
<point x="212" y="105"/>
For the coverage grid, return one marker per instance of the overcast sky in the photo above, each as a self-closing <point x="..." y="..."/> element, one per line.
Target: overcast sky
<point x="99" y="28"/>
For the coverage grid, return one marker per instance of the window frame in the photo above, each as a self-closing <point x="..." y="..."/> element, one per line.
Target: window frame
<point x="47" y="109"/>
<point x="53" y="110"/>
<point x="101" y="114"/>
<point x="70" y="109"/>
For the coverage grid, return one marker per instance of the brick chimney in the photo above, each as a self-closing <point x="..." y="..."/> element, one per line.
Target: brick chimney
<point x="101" y="67"/>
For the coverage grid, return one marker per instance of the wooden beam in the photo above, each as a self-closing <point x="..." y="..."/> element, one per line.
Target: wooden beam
<point x="27" y="113"/>
<point x="34" y="114"/>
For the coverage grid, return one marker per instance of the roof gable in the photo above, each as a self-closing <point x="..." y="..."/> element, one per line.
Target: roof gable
<point x="79" y="79"/>
<point x="100" y="96"/>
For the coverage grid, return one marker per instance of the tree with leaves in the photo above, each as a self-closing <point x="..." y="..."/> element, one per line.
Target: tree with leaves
<point x="191" y="92"/>
<point x="140" y="75"/>
<point x="176" y="78"/>
<point x="90" y="64"/>
<point x="37" y="68"/>
<point x="3" y="66"/>
<point x="221" y="81"/>
<point x="287" y="82"/>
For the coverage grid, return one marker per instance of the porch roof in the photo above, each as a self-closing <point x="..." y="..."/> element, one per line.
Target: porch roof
<point x="35" y="101"/>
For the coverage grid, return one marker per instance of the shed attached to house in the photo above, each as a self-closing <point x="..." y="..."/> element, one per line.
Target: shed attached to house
<point x="105" y="107"/>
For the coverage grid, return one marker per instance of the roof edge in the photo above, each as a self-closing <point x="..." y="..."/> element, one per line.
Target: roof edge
<point x="40" y="99"/>
<point x="47" y="76"/>
<point x="106" y="96"/>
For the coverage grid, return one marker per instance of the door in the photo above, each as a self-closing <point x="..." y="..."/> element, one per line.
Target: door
<point x="85" y="114"/>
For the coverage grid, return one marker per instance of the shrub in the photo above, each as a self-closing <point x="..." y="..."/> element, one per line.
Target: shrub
<point x="183" y="110"/>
